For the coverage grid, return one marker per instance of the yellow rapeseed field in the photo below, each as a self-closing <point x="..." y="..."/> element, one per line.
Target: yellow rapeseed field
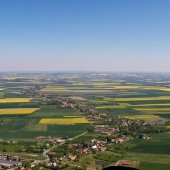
<point x="157" y="104"/>
<point x="125" y="87"/>
<point x="65" y="121"/>
<point x="125" y="104"/>
<point x="17" y="111"/>
<point x="110" y="107"/>
<point x="15" y="100"/>
<point x="135" y="117"/>
<point x="54" y="88"/>
<point x="1" y="89"/>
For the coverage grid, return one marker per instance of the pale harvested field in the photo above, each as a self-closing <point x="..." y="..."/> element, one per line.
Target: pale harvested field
<point x="74" y="92"/>
<point x="96" y="101"/>
<point x="78" y="98"/>
<point x="142" y="87"/>
<point x="37" y="127"/>
<point x="93" y="91"/>
<point x="153" y="109"/>
<point x="57" y="91"/>
<point x="141" y="98"/>
<point x="64" y="121"/>
<point x="17" y="111"/>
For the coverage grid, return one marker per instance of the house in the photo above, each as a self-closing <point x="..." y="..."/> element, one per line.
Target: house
<point x="72" y="145"/>
<point x="71" y="157"/>
<point x="94" y="147"/>
<point x="51" y="154"/>
<point x="41" y="137"/>
<point x="124" y="162"/>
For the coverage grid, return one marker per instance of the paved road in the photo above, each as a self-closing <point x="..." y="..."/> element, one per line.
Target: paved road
<point x="117" y="163"/>
<point x="46" y="151"/>
<point x="78" y="136"/>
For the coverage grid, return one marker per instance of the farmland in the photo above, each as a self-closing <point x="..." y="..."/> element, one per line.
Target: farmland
<point x="58" y="106"/>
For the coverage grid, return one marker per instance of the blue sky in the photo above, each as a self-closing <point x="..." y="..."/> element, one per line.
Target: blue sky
<point x="87" y="35"/>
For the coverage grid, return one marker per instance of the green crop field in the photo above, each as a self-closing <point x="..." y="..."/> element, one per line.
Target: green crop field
<point x="153" y="154"/>
<point x="9" y="134"/>
<point x="121" y="111"/>
<point x="154" y="166"/>
<point x="16" y="123"/>
<point x="55" y="112"/>
<point x="158" y="145"/>
<point x="67" y="127"/>
<point x="18" y="105"/>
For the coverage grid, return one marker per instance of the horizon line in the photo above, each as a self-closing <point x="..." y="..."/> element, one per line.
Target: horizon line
<point x="75" y="71"/>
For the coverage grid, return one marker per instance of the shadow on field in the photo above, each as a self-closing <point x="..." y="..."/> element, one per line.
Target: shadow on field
<point x="119" y="168"/>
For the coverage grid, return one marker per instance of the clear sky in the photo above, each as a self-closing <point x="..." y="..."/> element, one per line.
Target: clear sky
<point x="87" y="35"/>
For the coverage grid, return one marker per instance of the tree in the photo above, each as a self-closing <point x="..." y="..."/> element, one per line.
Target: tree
<point x="27" y="164"/>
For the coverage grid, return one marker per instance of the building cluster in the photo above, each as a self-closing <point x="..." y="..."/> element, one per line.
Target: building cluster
<point x="7" y="161"/>
<point x="104" y="129"/>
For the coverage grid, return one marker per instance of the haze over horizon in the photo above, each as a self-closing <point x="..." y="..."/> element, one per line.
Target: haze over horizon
<point x="85" y="35"/>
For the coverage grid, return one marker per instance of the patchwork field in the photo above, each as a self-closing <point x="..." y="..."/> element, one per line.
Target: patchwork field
<point x="16" y="121"/>
<point x="28" y="127"/>
<point x="152" y="103"/>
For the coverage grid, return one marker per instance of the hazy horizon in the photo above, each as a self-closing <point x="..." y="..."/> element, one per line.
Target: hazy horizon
<point x="93" y="36"/>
